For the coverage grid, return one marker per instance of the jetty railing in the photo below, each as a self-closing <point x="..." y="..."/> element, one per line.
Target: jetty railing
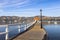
<point x="20" y="27"/>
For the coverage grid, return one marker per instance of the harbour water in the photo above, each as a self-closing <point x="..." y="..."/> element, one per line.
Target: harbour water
<point x="13" y="30"/>
<point x="53" y="31"/>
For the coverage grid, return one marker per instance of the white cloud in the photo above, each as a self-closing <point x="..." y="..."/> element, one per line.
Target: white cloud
<point x="25" y="12"/>
<point x="6" y="3"/>
<point x="29" y="11"/>
<point x="14" y="3"/>
<point x="52" y="11"/>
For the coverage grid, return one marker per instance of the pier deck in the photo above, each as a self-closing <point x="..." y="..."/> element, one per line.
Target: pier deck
<point x="35" y="33"/>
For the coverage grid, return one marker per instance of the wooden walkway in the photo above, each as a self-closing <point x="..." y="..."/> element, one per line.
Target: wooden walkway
<point x="36" y="33"/>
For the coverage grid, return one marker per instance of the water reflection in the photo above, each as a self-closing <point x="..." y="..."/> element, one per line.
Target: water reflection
<point x="53" y="31"/>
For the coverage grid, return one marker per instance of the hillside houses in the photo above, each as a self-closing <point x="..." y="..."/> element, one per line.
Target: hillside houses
<point x="14" y="19"/>
<point x="8" y="19"/>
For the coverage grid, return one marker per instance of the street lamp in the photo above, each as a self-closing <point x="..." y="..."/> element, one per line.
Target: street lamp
<point x="41" y="17"/>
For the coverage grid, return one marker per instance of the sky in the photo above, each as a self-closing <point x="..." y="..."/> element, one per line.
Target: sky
<point x="29" y="7"/>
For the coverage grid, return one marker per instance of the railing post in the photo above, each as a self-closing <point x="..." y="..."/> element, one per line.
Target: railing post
<point x="48" y="22"/>
<point x="6" y="33"/>
<point x="55" y="22"/>
<point x="25" y="27"/>
<point x="19" y="28"/>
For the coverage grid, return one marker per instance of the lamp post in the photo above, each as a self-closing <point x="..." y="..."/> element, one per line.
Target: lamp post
<point x="41" y="17"/>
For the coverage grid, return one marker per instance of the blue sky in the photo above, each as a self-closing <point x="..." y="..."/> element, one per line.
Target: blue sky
<point x="29" y="7"/>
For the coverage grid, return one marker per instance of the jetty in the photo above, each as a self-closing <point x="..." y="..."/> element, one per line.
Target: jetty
<point x="35" y="32"/>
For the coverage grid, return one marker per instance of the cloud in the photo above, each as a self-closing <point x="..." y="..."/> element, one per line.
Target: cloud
<point x="27" y="7"/>
<point x="1" y="11"/>
<point x="13" y="3"/>
<point x="23" y="12"/>
<point x="2" y="4"/>
<point x="53" y="11"/>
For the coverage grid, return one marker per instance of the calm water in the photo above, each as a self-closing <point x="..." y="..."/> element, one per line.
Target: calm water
<point x="11" y="33"/>
<point x="53" y="31"/>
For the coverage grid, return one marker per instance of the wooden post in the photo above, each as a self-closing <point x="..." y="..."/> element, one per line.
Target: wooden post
<point x="25" y="27"/>
<point x="48" y="22"/>
<point x="6" y="33"/>
<point x="55" y="22"/>
<point x="19" y="28"/>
